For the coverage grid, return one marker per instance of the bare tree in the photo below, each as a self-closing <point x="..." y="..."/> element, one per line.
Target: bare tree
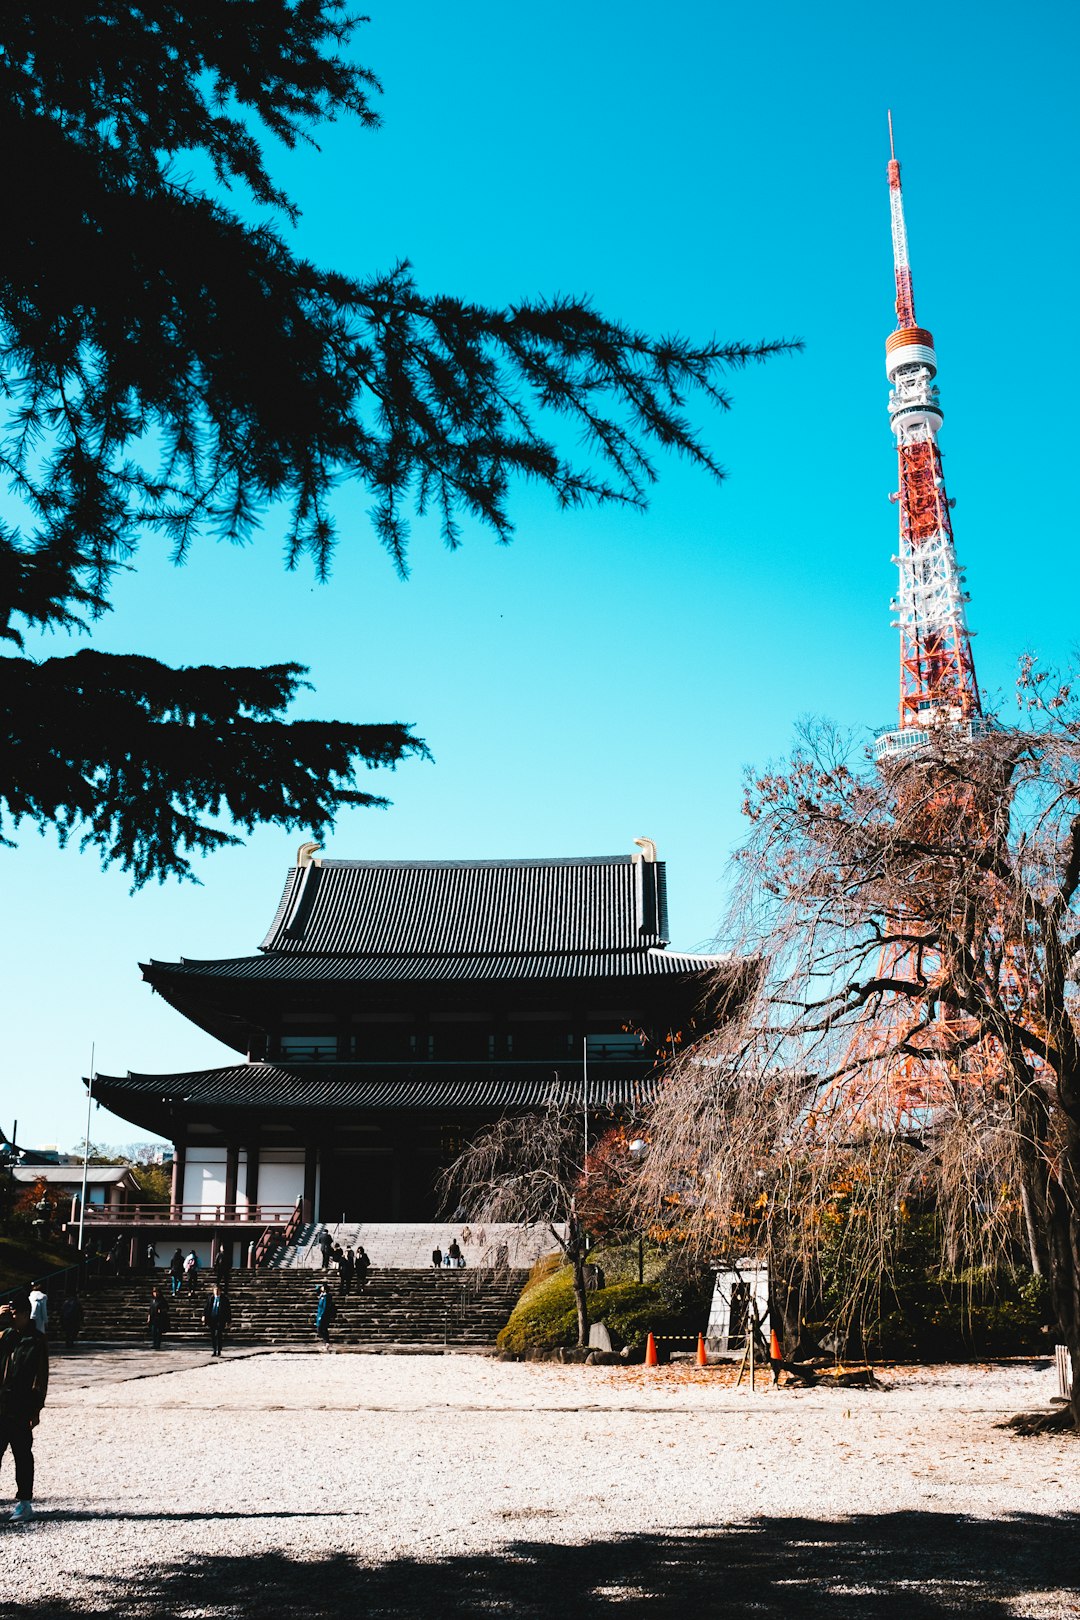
<point x="913" y="1046"/>
<point x="529" y="1169"/>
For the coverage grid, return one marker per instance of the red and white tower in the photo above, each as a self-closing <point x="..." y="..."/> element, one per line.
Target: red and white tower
<point x="937" y="670"/>
<point x="896" y="1075"/>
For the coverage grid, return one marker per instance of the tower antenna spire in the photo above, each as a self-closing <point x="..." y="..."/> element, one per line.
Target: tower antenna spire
<point x="937" y="669"/>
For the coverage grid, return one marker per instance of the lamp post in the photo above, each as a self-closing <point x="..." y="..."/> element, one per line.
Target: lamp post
<point x="638" y="1149"/>
<point x="86" y="1151"/>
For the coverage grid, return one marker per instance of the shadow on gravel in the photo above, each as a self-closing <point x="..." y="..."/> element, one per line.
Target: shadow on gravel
<point x="902" y="1566"/>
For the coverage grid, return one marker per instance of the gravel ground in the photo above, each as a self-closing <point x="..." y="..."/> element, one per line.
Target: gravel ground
<point x="327" y="1485"/>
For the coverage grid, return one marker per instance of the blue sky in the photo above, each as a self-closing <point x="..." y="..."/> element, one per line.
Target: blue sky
<point x="699" y="168"/>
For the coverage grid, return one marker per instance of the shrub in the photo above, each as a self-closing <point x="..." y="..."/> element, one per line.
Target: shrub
<point x="544" y="1317"/>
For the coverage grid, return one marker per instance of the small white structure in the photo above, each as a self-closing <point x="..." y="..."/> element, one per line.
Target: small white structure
<point x="108" y="1186"/>
<point x="745" y="1281"/>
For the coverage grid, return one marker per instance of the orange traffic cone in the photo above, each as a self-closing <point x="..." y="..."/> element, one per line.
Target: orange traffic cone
<point x="775" y="1352"/>
<point x="651" y="1357"/>
<point x="702" y="1358"/>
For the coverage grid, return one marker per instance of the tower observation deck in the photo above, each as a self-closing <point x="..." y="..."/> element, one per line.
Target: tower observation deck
<point x="938" y="687"/>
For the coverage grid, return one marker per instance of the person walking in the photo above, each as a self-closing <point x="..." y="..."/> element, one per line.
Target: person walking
<point x="157" y="1317"/>
<point x="151" y="1256"/>
<point x="39" y="1308"/>
<point x="325" y="1311"/>
<point x="363" y="1266"/>
<point x="71" y="1319"/>
<point x="221" y="1264"/>
<point x="176" y="1271"/>
<point x="24" y="1383"/>
<point x="326" y="1244"/>
<point x="217" y="1314"/>
<point x="191" y="1270"/>
<point x="346" y="1269"/>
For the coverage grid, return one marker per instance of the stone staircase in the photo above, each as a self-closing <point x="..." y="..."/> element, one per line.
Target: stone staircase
<point x="403" y="1307"/>
<point x="295" y="1253"/>
<point x="401" y="1245"/>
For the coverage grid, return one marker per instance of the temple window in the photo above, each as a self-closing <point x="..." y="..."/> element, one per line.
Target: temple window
<point x="614" y="1046"/>
<point x="309" y="1048"/>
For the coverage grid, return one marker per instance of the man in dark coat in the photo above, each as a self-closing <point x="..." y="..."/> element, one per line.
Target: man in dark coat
<point x="71" y="1318"/>
<point x="326" y="1244"/>
<point x="24" y="1382"/>
<point x="157" y="1317"/>
<point x="346" y="1266"/>
<point x="217" y="1314"/>
<point x="176" y="1271"/>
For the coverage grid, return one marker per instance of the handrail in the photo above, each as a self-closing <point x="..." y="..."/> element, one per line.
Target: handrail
<point x="271" y="1239"/>
<point x="189" y="1214"/>
<point x="40" y="1276"/>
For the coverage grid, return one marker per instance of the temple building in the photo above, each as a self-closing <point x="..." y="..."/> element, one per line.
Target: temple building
<point x="396" y="1006"/>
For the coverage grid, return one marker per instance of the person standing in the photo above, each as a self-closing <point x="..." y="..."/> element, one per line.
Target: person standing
<point x="221" y="1264"/>
<point x="363" y="1266"/>
<point x="151" y="1256"/>
<point x="217" y="1314"/>
<point x="176" y="1271"/>
<point x="71" y="1319"/>
<point x="325" y="1311"/>
<point x="346" y="1268"/>
<point x="39" y="1308"/>
<point x="326" y="1244"/>
<point x="24" y="1383"/>
<point x="157" y="1317"/>
<point x="191" y="1270"/>
<point x="436" y="1257"/>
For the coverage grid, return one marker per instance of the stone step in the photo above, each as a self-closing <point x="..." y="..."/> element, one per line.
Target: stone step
<point x="404" y="1245"/>
<point x="396" y="1307"/>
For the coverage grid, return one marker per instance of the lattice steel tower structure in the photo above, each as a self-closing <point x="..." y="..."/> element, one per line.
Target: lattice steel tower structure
<point x="937" y="671"/>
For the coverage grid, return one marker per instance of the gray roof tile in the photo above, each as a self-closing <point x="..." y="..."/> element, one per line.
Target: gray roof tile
<point x="322" y="968"/>
<point x="334" y="1086"/>
<point x="461" y="908"/>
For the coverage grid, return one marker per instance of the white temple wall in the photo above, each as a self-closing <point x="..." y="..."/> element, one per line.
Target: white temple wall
<point x="204" y="1176"/>
<point x="281" y="1176"/>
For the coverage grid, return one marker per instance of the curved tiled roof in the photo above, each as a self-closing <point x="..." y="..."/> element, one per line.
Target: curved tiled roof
<point x="422" y="909"/>
<point x="650" y="963"/>
<point x="333" y="1086"/>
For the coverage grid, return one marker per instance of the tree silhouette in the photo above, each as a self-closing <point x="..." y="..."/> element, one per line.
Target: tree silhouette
<point x="169" y="367"/>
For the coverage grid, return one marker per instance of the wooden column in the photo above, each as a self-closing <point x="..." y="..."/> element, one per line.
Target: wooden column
<point x="252" y="1182"/>
<point x="311" y="1159"/>
<point x="178" y="1166"/>
<point x="232" y="1169"/>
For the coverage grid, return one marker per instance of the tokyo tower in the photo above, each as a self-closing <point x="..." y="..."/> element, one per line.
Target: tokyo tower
<point x="937" y="671"/>
<point x="895" y="1073"/>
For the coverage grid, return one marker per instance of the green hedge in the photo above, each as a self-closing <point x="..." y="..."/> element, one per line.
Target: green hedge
<point x="23" y="1262"/>
<point x="944" y="1318"/>
<point x="545" y="1316"/>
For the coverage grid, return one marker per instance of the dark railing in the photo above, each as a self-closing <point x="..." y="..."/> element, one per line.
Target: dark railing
<point x="62" y="1281"/>
<point x="273" y="1238"/>
<point x="190" y="1214"/>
